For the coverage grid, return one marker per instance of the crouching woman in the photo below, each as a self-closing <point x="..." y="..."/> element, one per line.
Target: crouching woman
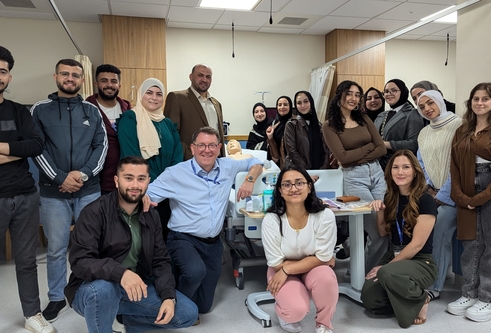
<point x="407" y="214"/>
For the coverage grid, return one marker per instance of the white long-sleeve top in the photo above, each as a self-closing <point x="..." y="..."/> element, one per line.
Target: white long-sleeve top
<point x="318" y="238"/>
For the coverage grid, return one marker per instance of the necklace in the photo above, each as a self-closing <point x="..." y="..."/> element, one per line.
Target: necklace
<point x="298" y="224"/>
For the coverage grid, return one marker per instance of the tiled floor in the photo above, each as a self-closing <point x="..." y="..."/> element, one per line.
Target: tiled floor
<point x="229" y="313"/>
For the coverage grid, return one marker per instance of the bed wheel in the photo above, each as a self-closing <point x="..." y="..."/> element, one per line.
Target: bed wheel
<point x="239" y="281"/>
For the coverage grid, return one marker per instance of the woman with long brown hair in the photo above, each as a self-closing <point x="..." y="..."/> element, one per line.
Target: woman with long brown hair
<point x="355" y="143"/>
<point x="407" y="214"/>
<point x="470" y="170"/>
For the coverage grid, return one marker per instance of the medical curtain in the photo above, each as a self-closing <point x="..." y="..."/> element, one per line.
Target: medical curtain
<point x="320" y="86"/>
<point x="87" y="86"/>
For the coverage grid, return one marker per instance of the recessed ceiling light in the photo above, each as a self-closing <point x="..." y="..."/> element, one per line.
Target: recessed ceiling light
<point x="450" y="18"/>
<point x="227" y="4"/>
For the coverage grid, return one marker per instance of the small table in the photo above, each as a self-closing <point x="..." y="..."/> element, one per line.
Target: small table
<point x="357" y="263"/>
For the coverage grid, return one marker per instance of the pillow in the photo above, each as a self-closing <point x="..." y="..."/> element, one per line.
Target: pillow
<point x="261" y="155"/>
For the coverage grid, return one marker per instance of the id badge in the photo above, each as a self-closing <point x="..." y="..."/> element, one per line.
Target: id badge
<point x="397" y="250"/>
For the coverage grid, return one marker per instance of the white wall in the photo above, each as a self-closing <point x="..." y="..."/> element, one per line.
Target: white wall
<point x="474" y="49"/>
<point x="413" y="61"/>
<point x="263" y="62"/>
<point x="37" y="45"/>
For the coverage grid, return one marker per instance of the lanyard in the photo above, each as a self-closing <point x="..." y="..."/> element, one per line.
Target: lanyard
<point x="214" y="181"/>
<point x="400" y="228"/>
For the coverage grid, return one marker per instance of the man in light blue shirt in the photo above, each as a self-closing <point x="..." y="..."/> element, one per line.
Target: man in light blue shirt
<point x="198" y="192"/>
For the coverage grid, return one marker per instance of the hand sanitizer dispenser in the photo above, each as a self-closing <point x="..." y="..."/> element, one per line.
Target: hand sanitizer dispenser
<point x="267" y="197"/>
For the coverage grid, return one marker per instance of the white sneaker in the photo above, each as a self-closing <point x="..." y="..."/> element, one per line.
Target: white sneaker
<point x="290" y="327"/>
<point x="38" y="324"/>
<point x="481" y="311"/>
<point x="460" y="306"/>
<point x="118" y="327"/>
<point x="323" y="329"/>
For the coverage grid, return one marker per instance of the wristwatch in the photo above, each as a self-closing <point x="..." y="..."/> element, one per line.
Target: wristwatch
<point x="83" y="176"/>
<point x="172" y="299"/>
<point x="250" y="179"/>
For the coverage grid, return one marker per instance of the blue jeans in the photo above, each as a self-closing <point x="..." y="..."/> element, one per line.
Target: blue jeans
<point x="476" y="257"/>
<point x="20" y="214"/>
<point x="57" y="217"/>
<point x="446" y="223"/>
<point x="367" y="182"/>
<point x="199" y="265"/>
<point x="100" y="301"/>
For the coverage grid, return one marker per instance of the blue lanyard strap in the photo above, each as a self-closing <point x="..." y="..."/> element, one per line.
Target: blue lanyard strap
<point x="401" y="227"/>
<point x="214" y="181"/>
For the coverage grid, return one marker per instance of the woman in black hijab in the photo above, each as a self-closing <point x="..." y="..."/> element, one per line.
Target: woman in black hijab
<point x="400" y="126"/>
<point x="275" y="132"/>
<point x="304" y="141"/>
<point x="257" y="137"/>
<point x="374" y="103"/>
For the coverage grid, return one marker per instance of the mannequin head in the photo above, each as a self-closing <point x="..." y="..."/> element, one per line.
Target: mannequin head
<point x="233" y="147"/>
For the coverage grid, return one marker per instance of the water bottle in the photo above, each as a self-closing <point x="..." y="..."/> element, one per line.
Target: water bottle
<point x="267" y="197"/>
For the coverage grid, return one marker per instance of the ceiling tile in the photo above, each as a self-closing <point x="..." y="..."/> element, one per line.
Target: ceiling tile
<point x="281" y="30"/>
<point x="312" y="7"/>
<point x="338" y="22"/>
<point x="438" y="38"/>
<point x="256" y="19"/>
<point x="278" y="17"/>
<point x="82" y="11"/>
<point x="141" y="2"/>
<point x="265" y="5"/>
<point x="436" y="2"/>
<point x="364" y="8"/>
<point x="384" y="25"/>
<point x="315" y="32"/>
<point x="411" y="11"/>
<point x="237" y="27"/>
<point x="139" y="9"/>
<point x="430" y="28"/>
<point x="202" y="26"/>
<point x="194" y="15"/>
<point x="185" y="3"/>
<point x="451" y="30"/>
<point x="30" y="15"/>
<point x="409" y="36"/>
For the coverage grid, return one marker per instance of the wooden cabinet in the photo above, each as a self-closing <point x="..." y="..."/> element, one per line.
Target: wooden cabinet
<point x="366" y="68"/>
<point x="137" y="47"/>
<point x="134" y="42"/>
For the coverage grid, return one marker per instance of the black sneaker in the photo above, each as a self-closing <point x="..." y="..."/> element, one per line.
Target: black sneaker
<point x="54" y="309"/>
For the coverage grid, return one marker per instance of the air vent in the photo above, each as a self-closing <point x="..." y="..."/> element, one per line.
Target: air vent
<point x="293" y="20"/>
<point x="18" y="3"/>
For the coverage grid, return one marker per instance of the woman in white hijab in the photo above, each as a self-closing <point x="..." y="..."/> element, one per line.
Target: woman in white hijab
<point x="435" y="142"/>
<point x="146" y="132"/>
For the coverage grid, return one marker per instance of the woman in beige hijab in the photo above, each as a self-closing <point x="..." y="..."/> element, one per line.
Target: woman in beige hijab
<point x="146" y="132"/>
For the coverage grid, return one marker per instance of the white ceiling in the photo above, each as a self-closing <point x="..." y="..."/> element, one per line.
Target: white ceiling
<point x="322" y="16"/>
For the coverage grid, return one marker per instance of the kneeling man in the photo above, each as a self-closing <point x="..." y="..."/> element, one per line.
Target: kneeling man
<point x="120" y="263"/>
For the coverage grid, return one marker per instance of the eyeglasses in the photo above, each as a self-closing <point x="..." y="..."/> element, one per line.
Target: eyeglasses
<point x="298" y="184"/>
<point x="202" y="146"/>
<point x="392" y="91"/>
<point x="65" y="75"/>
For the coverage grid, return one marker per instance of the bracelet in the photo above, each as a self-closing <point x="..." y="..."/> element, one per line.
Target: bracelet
<point x="283" y="269"/>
